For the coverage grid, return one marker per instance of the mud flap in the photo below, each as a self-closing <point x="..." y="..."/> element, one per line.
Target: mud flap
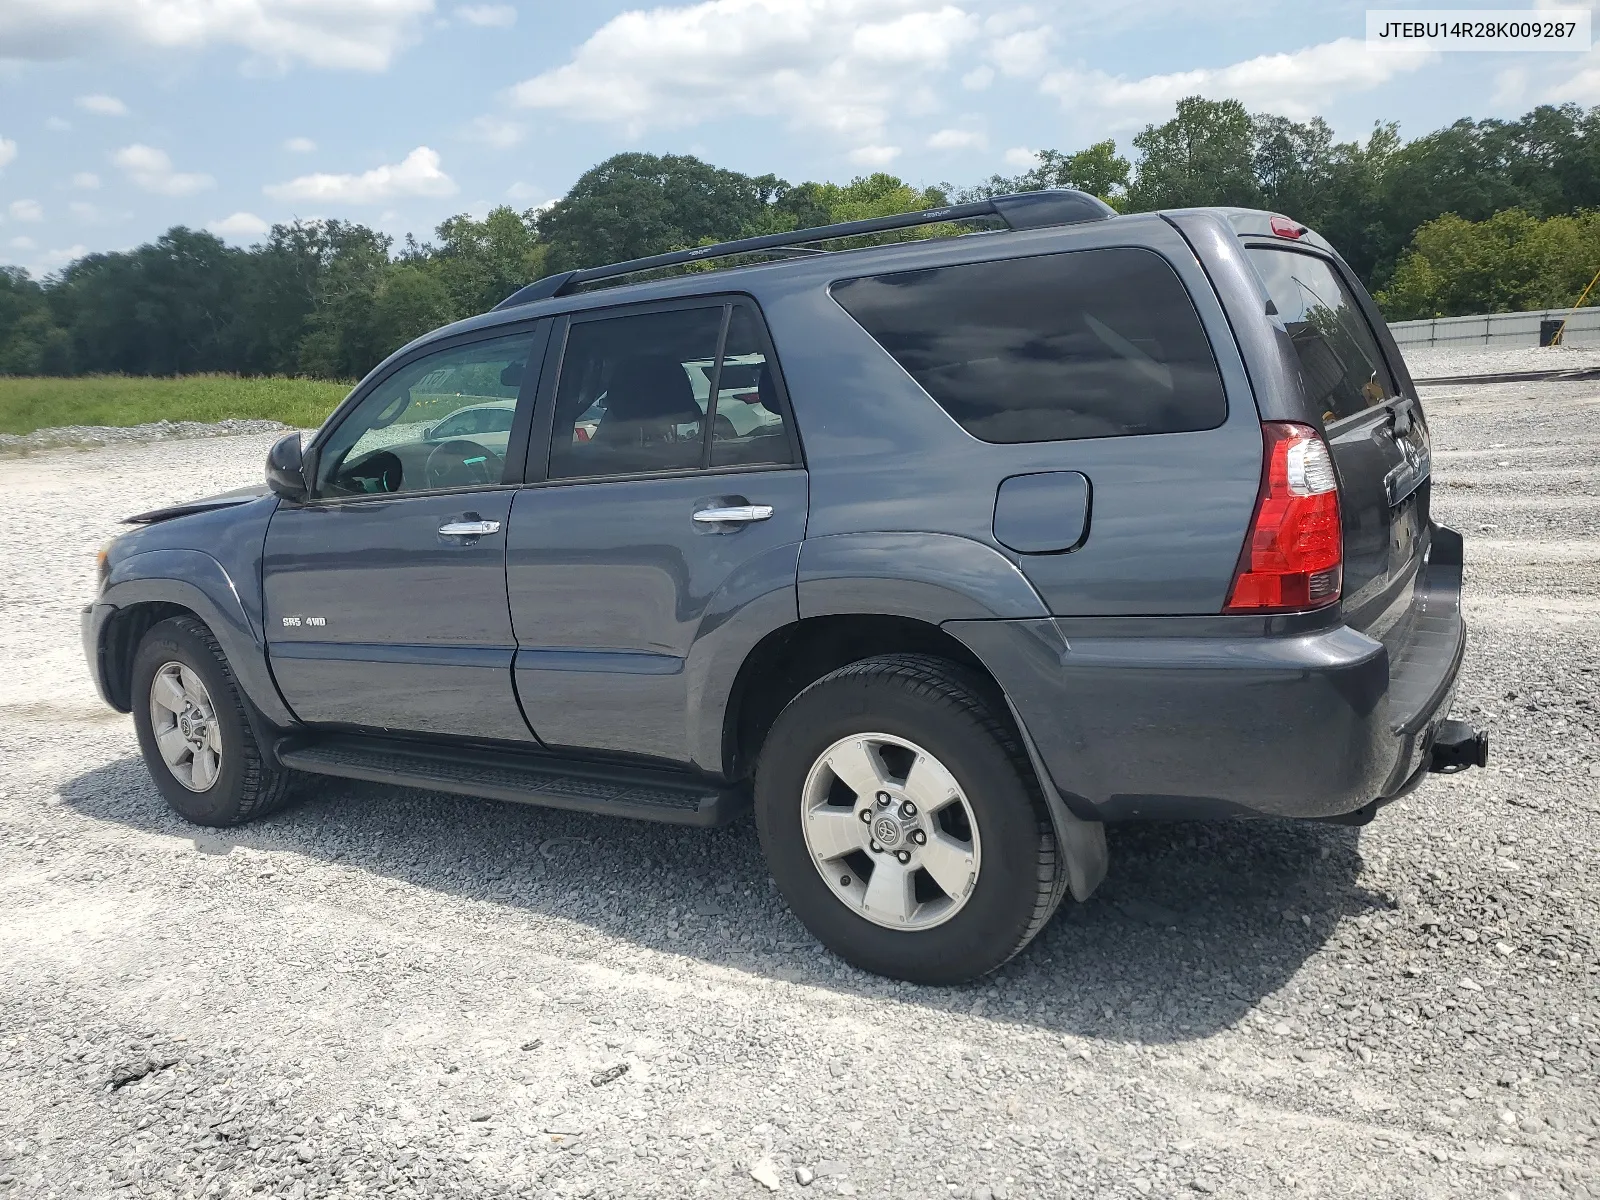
<point x="1083" y="843"/>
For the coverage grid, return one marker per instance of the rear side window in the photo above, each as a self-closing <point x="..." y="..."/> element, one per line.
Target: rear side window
<point x="1339" y="357"/>
<point x="639" y="393"/>
<point x="1087" y="344"/>
<point x="627" y="400"/>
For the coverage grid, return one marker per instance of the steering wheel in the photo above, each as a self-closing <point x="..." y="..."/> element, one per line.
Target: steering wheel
<point x="462" y="463"/>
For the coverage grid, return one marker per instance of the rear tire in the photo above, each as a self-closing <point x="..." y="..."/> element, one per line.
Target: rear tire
<point x="981" y="857"/>
<point x="193" y="731"/>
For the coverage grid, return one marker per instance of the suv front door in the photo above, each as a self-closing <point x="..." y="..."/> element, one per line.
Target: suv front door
<point x="385" y="590"/>
<point x="664" y="531"/>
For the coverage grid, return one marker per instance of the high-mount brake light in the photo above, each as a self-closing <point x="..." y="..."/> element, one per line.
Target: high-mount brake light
<point x="1293" y="556"/>
<point x="1284" y="227"/>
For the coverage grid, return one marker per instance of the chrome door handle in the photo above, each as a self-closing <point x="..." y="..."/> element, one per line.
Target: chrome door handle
<point x="735" y="514"/>
<point x="468" y="528"/>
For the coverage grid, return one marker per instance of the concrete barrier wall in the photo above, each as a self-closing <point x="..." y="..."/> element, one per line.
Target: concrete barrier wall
<point x="1498" y="330"/>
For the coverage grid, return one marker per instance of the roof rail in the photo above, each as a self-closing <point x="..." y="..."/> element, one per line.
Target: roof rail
<point x="1023" y="210"/>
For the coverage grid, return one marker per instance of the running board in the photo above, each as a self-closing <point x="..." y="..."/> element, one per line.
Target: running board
<point x="645" y="793"/>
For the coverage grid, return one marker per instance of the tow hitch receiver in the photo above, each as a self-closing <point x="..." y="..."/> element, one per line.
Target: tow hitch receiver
<point x="1457" y="746"/>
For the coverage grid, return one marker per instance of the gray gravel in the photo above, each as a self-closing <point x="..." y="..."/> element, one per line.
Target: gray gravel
<point x="89" y="436"/>
<point x="1427" y="362"/>
<point x="397" y="992"/>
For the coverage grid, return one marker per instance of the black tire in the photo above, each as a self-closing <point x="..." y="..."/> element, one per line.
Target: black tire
<point x="247" y="785"/>
<point x="944" y="708"/>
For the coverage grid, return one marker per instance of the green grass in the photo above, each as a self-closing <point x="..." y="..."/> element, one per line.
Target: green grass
<point x="29" y="403"/>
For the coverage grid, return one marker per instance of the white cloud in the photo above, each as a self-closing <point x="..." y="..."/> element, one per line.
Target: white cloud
<point x="57" y="258"/>
<point x="240" y="224"/>
<point x="492" y="16"/>
<point x="978" y="78"/>
<point x="843" y="65"/>
<point x="26" y="210"/>
<point x="57" y="124"/>
<point x="957" y="139"/>
<point x="1021" y="156"/>
<point x="418" y="174"/>
<point x="22" y="243"/>
<point x="874" y="156"/>
<point x="1023" y="53"/>
<point x="1510" y="88"/>
<point x="299" y="145"/>
<point x="524" y="191"/>
<point x="102" y="105"/>
<point x="84" y="211"/>
<point x="1295" y="85"/>
<point x="151" y="169"/>
<point x="495" y="131"/>
<point x="86" y="181"/>
<point x="1581" y="86"/>
<point x="8" y="152"/>
<point x="356" y="34"/>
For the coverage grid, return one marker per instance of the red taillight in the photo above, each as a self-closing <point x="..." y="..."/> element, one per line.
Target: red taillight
<point x="1284" y="227"/>
<point x="1294" y="554"/>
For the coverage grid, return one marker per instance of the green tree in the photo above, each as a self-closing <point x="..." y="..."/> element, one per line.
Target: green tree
<point x="164" y="308"/>
<point x="1350" y="208"/>
<point x="808" y="205"/>
<point x="31" y="343"/>
<point x="633" y="205"/>
<point x="1204" y="155"/>
<point x="480" y="263"/>
<point x="342" y="339"/>
<point x="1098" y="170"/>
<point x="1512" y="262"/>
<point x="409" y="302"/>
<point x="1292" y="164"/>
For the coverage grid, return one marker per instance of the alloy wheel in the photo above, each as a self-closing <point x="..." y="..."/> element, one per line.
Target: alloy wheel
<point x="185" y="725"/>
<point x="890" y="831"/>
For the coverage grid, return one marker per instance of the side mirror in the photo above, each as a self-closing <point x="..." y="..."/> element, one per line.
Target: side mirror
<point x="286" y="468"/>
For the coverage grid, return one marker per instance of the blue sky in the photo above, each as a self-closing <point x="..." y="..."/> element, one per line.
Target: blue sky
<point x="120" y="118"/>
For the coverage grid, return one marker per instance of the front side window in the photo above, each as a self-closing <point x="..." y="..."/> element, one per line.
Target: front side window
<point x="1085" y="344"/>
<point x="438" y="423"/>
<point x="1340" y="361"/>
<point x="635" y="393"/>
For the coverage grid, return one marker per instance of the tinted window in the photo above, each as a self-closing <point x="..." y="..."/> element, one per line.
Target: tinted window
<point x="627" y="398"/>
<point x="1343" y="368"/>
<point x="1095" y="343"/>
<point x="418" y="429"/>
<point x="749" y="424"/>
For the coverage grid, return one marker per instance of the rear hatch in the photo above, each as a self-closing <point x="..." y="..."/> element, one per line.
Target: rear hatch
<point x="1373" y="422"/>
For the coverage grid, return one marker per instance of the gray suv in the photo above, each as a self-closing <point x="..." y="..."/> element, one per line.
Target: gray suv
<point x="1000" y="537"/>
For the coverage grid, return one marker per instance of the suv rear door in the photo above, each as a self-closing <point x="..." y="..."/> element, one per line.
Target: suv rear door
<point x="1378" y="435"/>
<point x="648" y="524"/>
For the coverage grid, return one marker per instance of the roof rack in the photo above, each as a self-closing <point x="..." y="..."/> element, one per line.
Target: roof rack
<point x="1023" y="210"/>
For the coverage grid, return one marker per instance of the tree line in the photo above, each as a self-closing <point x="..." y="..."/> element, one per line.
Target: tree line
<point x="1479" y="216"/>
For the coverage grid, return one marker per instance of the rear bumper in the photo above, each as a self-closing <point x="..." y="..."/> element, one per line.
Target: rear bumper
<point x="1198" y="717"/>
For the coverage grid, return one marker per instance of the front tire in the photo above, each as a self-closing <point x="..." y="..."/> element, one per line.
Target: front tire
<point x="903" y="824"/>
<point x="193" y="732"/>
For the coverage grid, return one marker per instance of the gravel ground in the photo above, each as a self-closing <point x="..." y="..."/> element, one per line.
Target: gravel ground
<point x="396" y="992"/>
<point x="84" y="437"/>
<point x="1432" y="362"/>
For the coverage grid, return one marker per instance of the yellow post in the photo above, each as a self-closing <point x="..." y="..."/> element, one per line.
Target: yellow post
<point x="1556" y="341"/>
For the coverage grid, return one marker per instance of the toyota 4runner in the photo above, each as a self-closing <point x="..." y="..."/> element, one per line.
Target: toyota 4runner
<point x="940" y="553"/>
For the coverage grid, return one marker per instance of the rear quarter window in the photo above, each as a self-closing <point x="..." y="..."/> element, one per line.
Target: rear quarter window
<point x="1083" y="344"/>
<point x="1340" y="362"/>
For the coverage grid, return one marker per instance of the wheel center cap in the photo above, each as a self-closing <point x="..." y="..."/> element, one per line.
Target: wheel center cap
<point x="888" y="832"/>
